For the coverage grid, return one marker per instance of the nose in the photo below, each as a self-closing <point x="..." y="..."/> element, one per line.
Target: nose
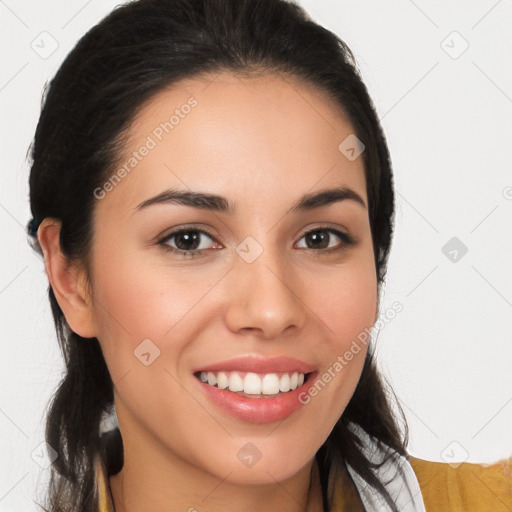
<point x="264" y="297"/>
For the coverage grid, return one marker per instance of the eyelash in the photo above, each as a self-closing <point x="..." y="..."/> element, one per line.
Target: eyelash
<point x="346" y="241"/>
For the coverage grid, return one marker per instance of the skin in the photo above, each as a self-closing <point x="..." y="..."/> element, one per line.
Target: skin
<point x="261" y="142"/>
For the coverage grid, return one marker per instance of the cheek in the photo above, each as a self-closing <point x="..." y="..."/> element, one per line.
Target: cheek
<point x="129" y="306"/>
<point x="345" y="300"/>
<point x="135" y="300"/>
<point x="346" y="307"/>
<point x="346" y="304"/>
<point x="146" y="312"/>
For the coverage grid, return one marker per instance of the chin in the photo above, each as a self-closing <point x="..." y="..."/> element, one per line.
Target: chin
<point x="262" y="475"/>
<point x="277" y="467"/>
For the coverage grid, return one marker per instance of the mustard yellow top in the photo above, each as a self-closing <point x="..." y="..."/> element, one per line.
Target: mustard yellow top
<point x="466" y="488"/>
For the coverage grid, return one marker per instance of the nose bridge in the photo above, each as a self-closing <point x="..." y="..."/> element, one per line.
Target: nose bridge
<point x="263" y="295"/>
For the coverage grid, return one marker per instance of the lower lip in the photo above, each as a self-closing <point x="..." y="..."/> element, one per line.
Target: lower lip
<point x="258" y="410"/>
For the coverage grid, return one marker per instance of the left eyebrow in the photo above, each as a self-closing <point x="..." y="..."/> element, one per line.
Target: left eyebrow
<point x="325" y="198"/>
<point x="221" y="204"/>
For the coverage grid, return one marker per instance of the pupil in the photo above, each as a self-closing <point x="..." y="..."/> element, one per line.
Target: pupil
<point x="189" y="238"/>
<point x="316" y="237"/>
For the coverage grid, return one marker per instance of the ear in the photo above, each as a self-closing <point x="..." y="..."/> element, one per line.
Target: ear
<point x="67" y="279"/>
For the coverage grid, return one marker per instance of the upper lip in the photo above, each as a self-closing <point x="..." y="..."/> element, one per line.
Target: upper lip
<point x="260" y="365"/>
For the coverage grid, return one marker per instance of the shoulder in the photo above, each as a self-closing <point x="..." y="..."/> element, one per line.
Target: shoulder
<point x="465" y="486"/>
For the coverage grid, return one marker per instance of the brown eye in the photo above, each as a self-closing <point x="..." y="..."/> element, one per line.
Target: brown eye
<point x="321" y="239"/>
<point x="187" y="242"/>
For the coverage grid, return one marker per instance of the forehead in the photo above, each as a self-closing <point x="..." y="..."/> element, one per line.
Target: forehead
<point x="222" y="132"/>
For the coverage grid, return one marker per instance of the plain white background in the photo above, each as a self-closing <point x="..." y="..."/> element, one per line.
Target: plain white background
<point x="441" y="77"/>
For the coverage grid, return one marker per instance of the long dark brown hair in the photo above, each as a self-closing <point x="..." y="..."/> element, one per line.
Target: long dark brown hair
<point x="136" y="51"/>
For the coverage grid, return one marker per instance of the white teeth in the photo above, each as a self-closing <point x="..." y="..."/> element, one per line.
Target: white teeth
<point x="270" y="384"/>
<point x="222" y="380"/>
<point x="235" y="382"/>
<point x="293" y="381"/>
<point x="253" y="383"/>
<point x="284" y="384"/>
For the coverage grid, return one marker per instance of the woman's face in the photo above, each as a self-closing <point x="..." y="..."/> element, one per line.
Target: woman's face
<point x="267" y="280"/>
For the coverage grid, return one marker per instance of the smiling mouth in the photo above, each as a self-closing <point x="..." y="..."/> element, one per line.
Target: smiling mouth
<point x="254" y="385"/>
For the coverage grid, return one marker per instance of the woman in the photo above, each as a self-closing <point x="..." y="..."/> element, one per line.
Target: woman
<point x="212" y="194"/>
